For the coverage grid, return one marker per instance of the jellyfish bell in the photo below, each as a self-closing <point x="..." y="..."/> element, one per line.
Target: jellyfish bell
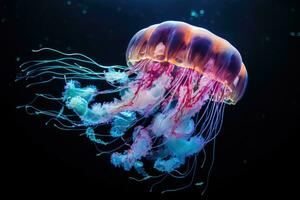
<point x="187" y="46"/>
<point x="179" y="77"/>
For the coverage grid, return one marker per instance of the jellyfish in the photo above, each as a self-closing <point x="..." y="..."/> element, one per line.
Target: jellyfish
<point x="169" y="99"/>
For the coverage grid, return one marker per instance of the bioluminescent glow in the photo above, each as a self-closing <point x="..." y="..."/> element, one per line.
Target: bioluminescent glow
<point x="169" y="101"/>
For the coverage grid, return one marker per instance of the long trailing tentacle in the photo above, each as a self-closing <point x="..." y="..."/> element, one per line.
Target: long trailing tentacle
<point x="168" y="95"/>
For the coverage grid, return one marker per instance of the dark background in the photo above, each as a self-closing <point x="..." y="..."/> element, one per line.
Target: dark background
<point x="254" y="155"/>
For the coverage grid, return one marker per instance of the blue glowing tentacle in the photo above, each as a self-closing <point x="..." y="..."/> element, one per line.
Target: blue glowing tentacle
<point x="38" y="66"/>
<point x="76" y="71"/>
<point x="91" y="135"/>
<point x="52" y="113"/>
<point x="65" y="127"/>
<point x="204" y="158"/>
<point x="194" y="166"/>
<point x="110" y="151"/>
<point x="218" y="122"/>
<point x="210" y="168"/>
<point x="78" y="54"/>
<point x="146" y="177"/>
<point x="211" y="122"/>
<point x="208" y="120"/>
<point x="158" y="182"/>
<point x="122" y="122"/>
<point x="70" y="70"/>
<point x="40" y="82"/>
<point x="69" y="75"/>
<point x="183" y="174"/>
<point x="50" y="97"/>
<point x="203" y="114"/>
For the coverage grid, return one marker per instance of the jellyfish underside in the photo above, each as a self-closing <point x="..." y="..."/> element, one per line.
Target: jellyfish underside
<point x="170" y="97"/>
